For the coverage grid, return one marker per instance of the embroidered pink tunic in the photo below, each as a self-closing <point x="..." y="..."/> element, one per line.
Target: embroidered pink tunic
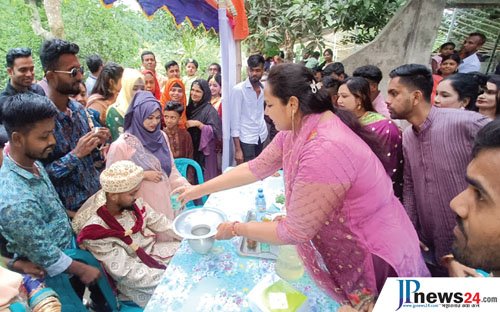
<point x="349" y="228"/>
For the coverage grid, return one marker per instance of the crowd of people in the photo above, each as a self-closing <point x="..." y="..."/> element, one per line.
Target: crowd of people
<point x="93" y="162"/>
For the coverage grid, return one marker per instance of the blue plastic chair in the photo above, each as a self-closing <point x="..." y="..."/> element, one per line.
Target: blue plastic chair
<point x="182" y="165"/>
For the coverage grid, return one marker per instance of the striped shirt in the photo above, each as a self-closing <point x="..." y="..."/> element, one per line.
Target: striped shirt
<point x="436" y="159"/>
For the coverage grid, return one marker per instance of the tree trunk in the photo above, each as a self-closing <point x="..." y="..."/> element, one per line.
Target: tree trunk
<point x="288" y="46"/>
<point x="54" y="18"/>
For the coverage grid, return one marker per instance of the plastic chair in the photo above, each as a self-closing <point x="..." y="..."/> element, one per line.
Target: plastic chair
<point x="182" y="165"/>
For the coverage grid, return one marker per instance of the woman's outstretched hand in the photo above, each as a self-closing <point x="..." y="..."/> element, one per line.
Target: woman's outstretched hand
<point x="225" y="231"/>
<point x="187" y="193"/>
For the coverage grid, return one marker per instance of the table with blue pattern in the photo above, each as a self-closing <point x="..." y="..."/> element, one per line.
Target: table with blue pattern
<point x="222" y="279"/>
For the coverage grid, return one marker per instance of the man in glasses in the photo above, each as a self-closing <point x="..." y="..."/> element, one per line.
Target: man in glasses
<point x="71" y="163"/>
<point x="21" y="72"/>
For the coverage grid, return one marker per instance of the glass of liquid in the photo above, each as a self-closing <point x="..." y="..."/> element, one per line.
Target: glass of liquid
<point x="289" y="266"/>
<point x="174" y="200"/>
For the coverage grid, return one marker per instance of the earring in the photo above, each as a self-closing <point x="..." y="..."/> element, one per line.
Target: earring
<point x="293" y="121"/>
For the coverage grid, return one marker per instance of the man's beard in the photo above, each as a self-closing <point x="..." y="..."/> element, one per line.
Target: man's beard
<point x="69" y="89"/>
<point x="254" y="79"/>
<point x="485" y="256"/>
<point x="43" y="155"/>
<point x="127" y="208"/>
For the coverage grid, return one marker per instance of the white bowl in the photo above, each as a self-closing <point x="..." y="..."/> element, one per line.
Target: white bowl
<point x="199" y="227"/>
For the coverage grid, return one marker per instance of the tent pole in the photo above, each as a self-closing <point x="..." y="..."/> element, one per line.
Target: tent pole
<point x="238" y="60"/>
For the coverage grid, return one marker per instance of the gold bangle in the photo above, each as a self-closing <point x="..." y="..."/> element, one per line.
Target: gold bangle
<point x="233" y="229"/>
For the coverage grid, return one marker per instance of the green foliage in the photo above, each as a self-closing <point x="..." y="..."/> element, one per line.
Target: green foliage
<point x="110" y="33"/>
<point x="117" y="34"/>
<point x="281" y="23"/>
<point x="17" y="32"/>
<point x="362" y="19"/>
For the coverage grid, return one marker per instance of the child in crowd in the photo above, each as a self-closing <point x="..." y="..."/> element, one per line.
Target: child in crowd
<point x="81" y="97"/>
<point x="446" y="49"/>
<point x="180" y="141"/>
<point x="191" y="76"/>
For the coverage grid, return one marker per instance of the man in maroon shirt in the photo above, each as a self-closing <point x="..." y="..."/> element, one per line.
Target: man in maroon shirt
<point x="436" y="149"/>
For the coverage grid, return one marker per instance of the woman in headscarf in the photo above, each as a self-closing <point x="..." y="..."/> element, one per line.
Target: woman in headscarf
<point x="132" y="81"/>
<point x="146" y="145"/>
<point x="205" y="128"/>
<point x="151" y="83"/>
<point x="175" y="91"/>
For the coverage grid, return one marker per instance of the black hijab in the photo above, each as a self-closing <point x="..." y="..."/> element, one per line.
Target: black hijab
<point x="203" y="111"/>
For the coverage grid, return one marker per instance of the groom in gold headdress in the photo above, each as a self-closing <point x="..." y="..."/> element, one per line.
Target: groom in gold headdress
<point x="130" y="239"/>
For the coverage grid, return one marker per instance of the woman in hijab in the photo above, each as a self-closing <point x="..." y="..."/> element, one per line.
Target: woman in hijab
<point x="132" y="81"/>
<point x="175" y="91"/>
<point x="146" y="145"/>
<point x="205" y="128"/>
<point x="151" y="84"/>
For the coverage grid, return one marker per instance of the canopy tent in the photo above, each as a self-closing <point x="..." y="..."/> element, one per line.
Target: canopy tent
<point x="199" y="12"/>
<point x="226" y="17"/>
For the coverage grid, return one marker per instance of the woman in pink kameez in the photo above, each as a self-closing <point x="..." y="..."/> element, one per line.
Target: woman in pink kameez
<point x="146" y="145"/>
<point x="349" y="228"/>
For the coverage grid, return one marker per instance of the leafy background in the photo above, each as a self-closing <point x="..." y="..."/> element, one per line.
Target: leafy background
<point x="118" y="34"/>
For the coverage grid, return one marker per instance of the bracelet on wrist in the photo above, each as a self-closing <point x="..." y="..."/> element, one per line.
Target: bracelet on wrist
<point x="233" y="229"/>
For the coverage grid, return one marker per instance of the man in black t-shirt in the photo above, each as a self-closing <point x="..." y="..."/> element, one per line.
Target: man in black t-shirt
<point x="21" y="71"/>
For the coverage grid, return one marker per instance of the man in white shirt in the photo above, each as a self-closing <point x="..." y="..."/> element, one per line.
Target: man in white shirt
<point x="470" y="61"/>
<point x="95" y="65"/>
<point x="248" y="128"/>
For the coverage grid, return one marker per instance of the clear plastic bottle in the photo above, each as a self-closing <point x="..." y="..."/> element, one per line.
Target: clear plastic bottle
<point x="289" y="266"/>
<point x="260" y="202"/>
<point x="259" y="191"/>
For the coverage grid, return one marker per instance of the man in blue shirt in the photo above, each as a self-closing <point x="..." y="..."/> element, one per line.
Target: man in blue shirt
<point x="70" y="165"/>
<point x="248" y="128"/>
<point x="32" y="218"/>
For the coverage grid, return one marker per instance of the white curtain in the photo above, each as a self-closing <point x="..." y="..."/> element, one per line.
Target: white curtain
<point x="228" y="60"/>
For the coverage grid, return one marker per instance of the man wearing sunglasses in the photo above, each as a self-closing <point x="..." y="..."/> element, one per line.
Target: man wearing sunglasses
<point x="71" y="164"/>
<point x="21" y="72"/>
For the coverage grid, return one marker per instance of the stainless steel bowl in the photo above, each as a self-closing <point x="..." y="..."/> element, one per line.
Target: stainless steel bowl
<point x="199" y="226"/>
